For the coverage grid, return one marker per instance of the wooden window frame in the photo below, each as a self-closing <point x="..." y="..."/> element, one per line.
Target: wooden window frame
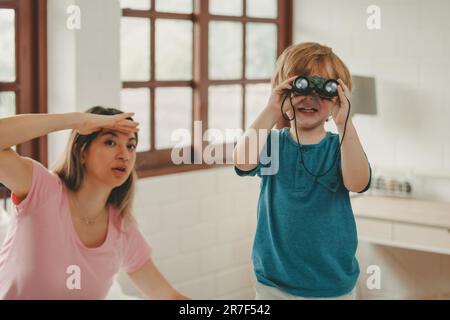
<point x="158" y="162"/>
<point x="30" y="85"/>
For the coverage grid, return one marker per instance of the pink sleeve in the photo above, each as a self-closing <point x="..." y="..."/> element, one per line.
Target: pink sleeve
<point x="137" y="249"/>
<point x="44" y="185"/>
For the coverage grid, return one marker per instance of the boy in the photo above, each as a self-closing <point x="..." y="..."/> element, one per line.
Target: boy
<point x="306" y="237"/>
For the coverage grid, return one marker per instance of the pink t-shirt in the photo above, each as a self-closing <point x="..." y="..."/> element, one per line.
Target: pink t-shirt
<point x="42" y="256"/>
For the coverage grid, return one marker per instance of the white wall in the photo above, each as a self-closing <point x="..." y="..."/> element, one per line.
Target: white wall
<point x="409" y="57"/>
<point x="83" y="64"/>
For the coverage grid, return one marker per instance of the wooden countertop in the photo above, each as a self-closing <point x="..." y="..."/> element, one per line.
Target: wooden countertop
<point x="407" y="210"/>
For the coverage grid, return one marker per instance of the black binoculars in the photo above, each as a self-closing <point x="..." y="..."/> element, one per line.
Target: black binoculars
<point x="325" y="88"/>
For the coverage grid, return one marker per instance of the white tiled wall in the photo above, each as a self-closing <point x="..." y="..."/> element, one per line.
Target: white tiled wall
<point x="409" y="56"/>
<point x="201" y="226"/>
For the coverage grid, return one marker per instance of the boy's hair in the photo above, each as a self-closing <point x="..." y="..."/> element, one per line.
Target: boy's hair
<point x="305" y="58"/>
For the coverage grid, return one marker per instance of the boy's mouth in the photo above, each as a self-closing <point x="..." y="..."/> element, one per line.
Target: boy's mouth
<point x="307" y="110"/>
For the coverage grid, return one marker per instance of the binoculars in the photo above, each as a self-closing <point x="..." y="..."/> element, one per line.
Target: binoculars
<point x="325" y="88"/>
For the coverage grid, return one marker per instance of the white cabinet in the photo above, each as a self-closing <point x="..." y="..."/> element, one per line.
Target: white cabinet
<point x="371" y="229"/>
<point x="405" y="223"/>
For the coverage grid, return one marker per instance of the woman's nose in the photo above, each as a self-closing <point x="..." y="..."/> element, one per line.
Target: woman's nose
<point x="123" y="153"/>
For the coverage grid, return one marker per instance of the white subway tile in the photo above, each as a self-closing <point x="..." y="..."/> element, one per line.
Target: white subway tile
<point x="434" y="15"/>
<point x="181" y="268"/>
<point x="197" y="184"/>
<point x="242" y="251"/>
<point x="157" y="190"/>
<point x="217" y="207"/>
<point x="195" y="238"/>
<point x="232" y="230"/>
<point x="247" y="203"/>
<point x="165" y="244"/>
<point x="149" y="219"/>
<point x="201" y="288"/>
<point x="181" y="214"/>
<point x="346" y="16"/>
<point x="243" y="294"/>
<point x="234" y="279"/>
<point x="216" y="259"/>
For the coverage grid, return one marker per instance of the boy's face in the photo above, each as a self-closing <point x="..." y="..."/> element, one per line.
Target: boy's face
<point x="311" y="110"/>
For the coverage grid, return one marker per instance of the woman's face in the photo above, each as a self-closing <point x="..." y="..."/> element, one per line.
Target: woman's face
<point x="110" y="158"/>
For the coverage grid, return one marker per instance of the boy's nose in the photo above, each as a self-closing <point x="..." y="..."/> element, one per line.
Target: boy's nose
<point x="313" y="96"/>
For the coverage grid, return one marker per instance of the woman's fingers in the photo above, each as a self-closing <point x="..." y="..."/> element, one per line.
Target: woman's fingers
<point x="125" y="115"/>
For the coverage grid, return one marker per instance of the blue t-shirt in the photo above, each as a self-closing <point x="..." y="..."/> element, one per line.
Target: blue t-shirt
<point x="306" y="238"/>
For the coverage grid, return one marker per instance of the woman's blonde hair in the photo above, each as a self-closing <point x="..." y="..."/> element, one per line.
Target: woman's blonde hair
<point x="305" y="58"/>
<point x="71" y="170"/>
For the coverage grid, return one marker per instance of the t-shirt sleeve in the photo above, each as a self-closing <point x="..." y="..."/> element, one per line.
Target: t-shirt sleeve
<point x="137" y="250"/>
<point x="264" y="157"/>
<point x="44" y="185"/>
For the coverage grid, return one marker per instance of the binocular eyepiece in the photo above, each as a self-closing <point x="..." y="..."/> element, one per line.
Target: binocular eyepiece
<point x="325" y="88"/>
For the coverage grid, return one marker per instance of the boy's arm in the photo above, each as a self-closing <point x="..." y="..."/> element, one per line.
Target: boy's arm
<point x="355" y="167"/>
<point x="245" y="153"/>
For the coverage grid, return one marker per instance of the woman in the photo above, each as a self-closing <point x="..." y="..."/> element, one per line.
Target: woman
<point x="71" y="230"/>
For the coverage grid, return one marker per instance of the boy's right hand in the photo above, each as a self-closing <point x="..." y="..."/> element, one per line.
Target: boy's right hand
<point x="278" y="95"/>
<point x="90" y="123"/>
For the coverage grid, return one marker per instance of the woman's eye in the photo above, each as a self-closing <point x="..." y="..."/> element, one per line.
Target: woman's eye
<point x="110" y="143"/>
<point x="132" y="147"/>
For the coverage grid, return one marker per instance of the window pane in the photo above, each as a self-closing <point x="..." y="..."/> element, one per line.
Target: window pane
<point x="135" y="49"/>
<point x="7" y="46"/>
<point x="138" y="101"/>
<point x="226" y="8"/>
<point x="262" y="8"/>
<point x="256" y="99"/>
<point x="261" y="50"/>
<point x="225" y="50"/>
<point x="7" y="104"/>
<point x="173" y="110"/>
<point x="225" y="110"/>
<point x="135" y="4"/>
<point x="174" y="52"/>
<point x="175" y="6"/>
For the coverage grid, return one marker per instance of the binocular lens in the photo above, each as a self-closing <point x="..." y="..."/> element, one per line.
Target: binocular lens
<point x="331" y="87"/>
<point x="301" y="83"/>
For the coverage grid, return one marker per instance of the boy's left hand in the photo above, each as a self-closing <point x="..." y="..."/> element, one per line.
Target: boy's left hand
<point x="341" y="107"/>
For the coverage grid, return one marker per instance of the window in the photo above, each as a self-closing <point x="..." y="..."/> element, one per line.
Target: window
<point x="190" y="62"/>
<point x="23" y="65"/>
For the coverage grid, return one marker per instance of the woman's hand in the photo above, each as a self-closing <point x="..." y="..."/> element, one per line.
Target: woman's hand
<point x="91" y="123"/>
<point x="342" y="107"/>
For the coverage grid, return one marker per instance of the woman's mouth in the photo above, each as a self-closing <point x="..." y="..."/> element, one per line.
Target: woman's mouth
<point x="120" y="171"/>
